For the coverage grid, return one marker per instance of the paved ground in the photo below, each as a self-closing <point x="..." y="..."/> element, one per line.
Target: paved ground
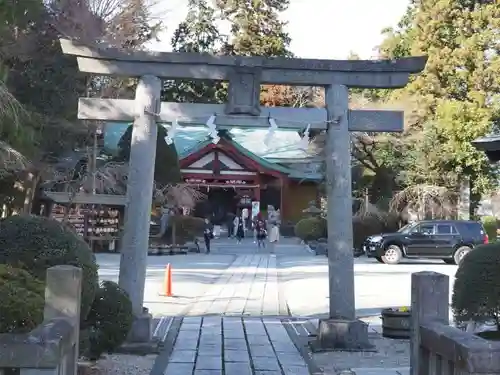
<point x="253" y="290"/>
<point x="377" y="285"/>
<point x="248" y="287"/>
<point x="230" y="346"/>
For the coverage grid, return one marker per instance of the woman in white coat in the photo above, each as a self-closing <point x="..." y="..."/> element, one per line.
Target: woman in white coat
<point x="274" y="222"/>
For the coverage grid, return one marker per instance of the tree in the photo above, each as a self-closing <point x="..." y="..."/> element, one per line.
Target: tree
<point x="47" y="83"/>
<point x="426" y="202"/>
<point x="167" y="170"/>
<point x="458" y="91"/>
<point x="197" y="33"/>
<point x="256" y="29"/>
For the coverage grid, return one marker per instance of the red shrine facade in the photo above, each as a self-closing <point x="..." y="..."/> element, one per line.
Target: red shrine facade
<point x="232" y="177"/>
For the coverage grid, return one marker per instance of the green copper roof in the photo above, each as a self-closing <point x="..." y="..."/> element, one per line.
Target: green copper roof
<point x="249" y="142"/>
<point x="284" y="144"/>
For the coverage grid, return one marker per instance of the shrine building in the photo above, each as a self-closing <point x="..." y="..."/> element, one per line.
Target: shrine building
<point x="241" y="169"/>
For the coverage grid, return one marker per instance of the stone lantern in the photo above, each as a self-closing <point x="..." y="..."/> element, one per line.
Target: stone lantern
<point x="312" y="210"/>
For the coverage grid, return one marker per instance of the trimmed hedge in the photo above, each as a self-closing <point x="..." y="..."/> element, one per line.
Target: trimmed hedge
<point x="311" y="229"/>
<point x="187" y="228"/>
<point x="369" y="225"/>
<point x="108" y="323"/>
<point x="476" y="289"/>
<point x="36" y="243"/>
<point x="314" y="228"/>
<point x="21" y="300"/>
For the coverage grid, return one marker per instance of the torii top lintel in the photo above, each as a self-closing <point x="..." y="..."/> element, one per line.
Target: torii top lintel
<point x="277" y="70"/>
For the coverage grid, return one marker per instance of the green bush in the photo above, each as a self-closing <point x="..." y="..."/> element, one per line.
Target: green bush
<point x="187" y="228"/>
<point x="314" y="228"/>
<point x="311" y="229"/>
<point x="369" y="225"/>
<point x="36" y="243"/>
<point x="108" y="322"/>
<point x="490" y="226"/>
<point x="22" y="300"/>
<point x="476" y="292"/>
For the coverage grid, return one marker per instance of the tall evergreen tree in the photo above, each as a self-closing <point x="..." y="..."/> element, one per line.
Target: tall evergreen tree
<point x="197" y="33"/>
<point x="457" y="95"/>
<point x="256" y="29"/>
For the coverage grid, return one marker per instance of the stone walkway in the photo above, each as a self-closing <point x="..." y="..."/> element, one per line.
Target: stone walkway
<point x="234" y="346"/>
<point x="286" y="246"/>
<point x="249" y="286"/>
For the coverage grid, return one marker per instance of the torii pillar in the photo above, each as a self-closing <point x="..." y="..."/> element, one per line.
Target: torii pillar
<point x="245" y="75"/>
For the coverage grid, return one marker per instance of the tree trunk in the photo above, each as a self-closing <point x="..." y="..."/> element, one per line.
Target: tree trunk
<point x="30" y="183"/>
<point x="174" y="230"/>
<point x="383" y="186"/>
<point x="474" y="200"/>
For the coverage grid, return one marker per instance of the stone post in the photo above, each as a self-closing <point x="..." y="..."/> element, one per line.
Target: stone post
<point x="134" y="250"/>
<point x="63" y="294"/>
<point x="341" y="330"/>
<point x="430" y="296"/>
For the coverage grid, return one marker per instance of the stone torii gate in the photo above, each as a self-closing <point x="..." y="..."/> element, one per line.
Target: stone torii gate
<point x="245" y="76"/>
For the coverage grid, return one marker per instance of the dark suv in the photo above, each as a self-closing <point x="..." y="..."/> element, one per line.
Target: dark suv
<point x="448" y="240"/>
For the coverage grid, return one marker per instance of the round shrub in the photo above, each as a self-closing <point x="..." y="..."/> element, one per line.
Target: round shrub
<point x="311" y="229"/>
<point x="187" y="228"/>
<point x="369" y="225"/>
<point x="490" y="226"/>
<point x="36" y="243"/>
<point x="476" y="292"/>
<point x="22" y="300"/>
<point x="108" y="322"/>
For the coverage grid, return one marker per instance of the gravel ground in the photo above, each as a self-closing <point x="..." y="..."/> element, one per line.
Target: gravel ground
<point x="390" y="354"/>
<point x="124" y="364"/>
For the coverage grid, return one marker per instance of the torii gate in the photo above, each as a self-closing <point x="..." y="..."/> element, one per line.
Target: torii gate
<point x="245" y="76"/>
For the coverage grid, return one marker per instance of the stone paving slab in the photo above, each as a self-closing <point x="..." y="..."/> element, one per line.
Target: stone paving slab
<point x="210" y="346"/>
<point x="382" y="371"/>
<point x="248" y="287"/>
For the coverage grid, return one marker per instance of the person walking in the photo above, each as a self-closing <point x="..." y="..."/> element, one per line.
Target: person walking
<point x="208" y="234"/>
<point x="230" y="224"/>
<point x="260" y="229"/>
<point x="240" y="228"/>
<point x="272" y="222"/>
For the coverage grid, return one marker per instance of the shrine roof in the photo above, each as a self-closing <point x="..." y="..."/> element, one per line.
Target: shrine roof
<point x="490" y="145"/>
<point x="250" y="142"/>
<point x="284" y="143"/>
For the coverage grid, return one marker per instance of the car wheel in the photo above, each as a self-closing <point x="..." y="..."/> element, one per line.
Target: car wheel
<point x="449" y="261"/>
<point x="392" y="255"/>
<point x="379" y="259"/>
<point x="460" y="254"/>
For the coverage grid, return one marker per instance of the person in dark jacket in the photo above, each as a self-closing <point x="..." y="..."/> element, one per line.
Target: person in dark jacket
<point x="208" y="234"/>
<point x="230" y="224"/>
<point x="260" y="229"/>
<point x="240" y="228"/>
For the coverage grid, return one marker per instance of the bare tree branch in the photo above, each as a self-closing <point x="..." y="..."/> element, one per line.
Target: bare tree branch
<point x="178" y="195"/>
<point x="426" y="201"/>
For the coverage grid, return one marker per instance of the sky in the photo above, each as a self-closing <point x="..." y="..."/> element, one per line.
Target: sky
<point x="323" y="29"/>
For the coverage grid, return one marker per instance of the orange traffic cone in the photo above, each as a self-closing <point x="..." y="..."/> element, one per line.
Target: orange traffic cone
<point x="167" y="282"/>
